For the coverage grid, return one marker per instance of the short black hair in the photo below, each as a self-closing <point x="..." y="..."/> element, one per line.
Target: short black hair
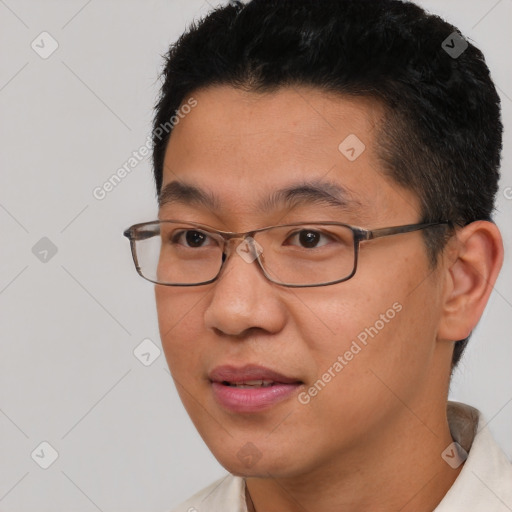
<point x="441" y="136"/>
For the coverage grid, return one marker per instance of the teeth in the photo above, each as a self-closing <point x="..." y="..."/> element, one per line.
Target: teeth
<point x="252" y="384"/>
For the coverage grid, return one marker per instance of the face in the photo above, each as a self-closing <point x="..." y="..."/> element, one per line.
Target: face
<point x="338" y="356"/>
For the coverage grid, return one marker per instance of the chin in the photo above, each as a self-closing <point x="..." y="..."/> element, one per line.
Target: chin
<point x="251" y="461"/>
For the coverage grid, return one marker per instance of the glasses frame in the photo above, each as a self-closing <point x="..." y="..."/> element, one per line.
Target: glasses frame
<point x="360" y="235"/>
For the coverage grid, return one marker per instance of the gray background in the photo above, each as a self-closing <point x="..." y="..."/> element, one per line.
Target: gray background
<point x="69" y="325"/>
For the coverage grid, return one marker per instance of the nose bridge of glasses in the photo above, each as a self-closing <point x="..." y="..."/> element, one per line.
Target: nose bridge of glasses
<point x="243" y="243"/>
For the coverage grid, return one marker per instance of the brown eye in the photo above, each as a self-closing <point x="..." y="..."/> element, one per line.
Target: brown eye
<point x="307" y="238"/>
<point x="191" y="238"/>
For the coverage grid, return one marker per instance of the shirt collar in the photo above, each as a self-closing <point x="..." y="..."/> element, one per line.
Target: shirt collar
<point x="485" y="481"/>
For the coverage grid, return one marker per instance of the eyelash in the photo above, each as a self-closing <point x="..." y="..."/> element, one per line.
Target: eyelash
<point x="175" y="237"/>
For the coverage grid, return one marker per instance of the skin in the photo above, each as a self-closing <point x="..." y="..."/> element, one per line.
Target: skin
<point x="372" y="438"/>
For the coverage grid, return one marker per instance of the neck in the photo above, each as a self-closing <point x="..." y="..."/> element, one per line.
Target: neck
<point x="400" y="468"/>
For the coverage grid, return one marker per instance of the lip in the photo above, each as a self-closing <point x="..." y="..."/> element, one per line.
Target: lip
<point x="248" y="400"/>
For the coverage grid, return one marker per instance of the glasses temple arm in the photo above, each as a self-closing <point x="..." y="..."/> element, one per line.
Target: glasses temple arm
<point x="377" y="233"/>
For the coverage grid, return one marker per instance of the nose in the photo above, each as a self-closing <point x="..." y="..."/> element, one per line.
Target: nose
<point x="243" y="298"/>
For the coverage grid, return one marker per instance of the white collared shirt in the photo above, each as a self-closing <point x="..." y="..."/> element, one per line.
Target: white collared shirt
<point x="483" y="485"/>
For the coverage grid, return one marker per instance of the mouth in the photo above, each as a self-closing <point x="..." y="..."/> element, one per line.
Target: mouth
<point x="250" y="388"/>
<point x="250" y="384"/>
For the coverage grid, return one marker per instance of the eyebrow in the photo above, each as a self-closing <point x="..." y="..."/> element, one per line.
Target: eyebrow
<point x="183" y="193"/>
<point x="319" y="192"/>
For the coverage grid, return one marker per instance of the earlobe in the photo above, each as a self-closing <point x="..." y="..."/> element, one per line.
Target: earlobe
<point x="470" y="277"/>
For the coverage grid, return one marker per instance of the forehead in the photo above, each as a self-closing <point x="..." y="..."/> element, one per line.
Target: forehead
<point x="241" y="147"/>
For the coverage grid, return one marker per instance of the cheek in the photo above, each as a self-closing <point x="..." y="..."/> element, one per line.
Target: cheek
<point x="345" y="313"/>
<point x="180" y="320"/>
<point x="370" y="327"/>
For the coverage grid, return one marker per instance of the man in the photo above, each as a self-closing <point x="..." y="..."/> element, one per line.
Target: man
<point x="326" y="173"/>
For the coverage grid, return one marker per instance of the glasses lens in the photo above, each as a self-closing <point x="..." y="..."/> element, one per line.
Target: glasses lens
<point x="309" y="254"/>
<point x="177" y="253"/>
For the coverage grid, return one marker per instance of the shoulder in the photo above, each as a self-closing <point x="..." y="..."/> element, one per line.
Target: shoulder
<point x="225" y="495"/>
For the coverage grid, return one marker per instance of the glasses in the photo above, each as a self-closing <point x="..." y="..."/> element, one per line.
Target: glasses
<point x="181" y="253"/>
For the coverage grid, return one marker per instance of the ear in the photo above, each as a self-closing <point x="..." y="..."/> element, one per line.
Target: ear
<point x="472" y="264"/>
